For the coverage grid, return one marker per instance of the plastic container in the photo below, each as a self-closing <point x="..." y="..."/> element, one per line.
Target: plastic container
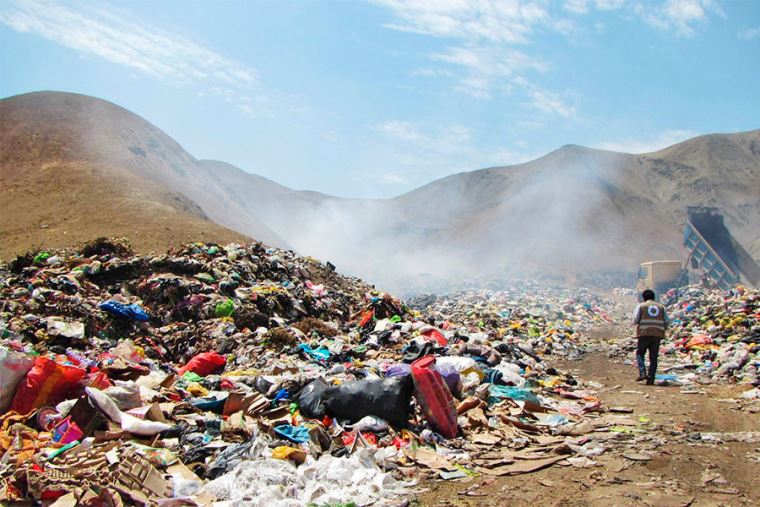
<point x="66" y="431"/>
<point x="434" y="397"/>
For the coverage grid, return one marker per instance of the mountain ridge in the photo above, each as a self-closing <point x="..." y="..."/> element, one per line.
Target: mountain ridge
<point x="574" y="209"/>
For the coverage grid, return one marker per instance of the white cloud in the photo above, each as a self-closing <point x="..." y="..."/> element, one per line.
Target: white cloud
<point x="545" y="100"/>
<point x="609" y="5"/>
<point x="677" y="15"/>
<point x="446" y="138"/>
<point x="384" y="178"/>
<point x="750" y="33"/>
<point x="665" y="139"/>
<point x="576" y="6"/>
<point x="171" y="58"/>
<point x="583" y="6"/>
<point x="511" y="21"/>
<point x="486" y="68"/>
<point x="482" y="61"/>
<point x="400" y="130"/>
<point x="432" y="152"/>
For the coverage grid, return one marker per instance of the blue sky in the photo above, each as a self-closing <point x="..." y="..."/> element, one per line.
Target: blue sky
<point x="371" y="99"/>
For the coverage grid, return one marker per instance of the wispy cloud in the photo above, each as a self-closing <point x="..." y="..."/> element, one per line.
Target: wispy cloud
<point x="427" y="152"/>
<point x="400" y="130"/>
<point x="544" y="100"/>
<point x="750" y="33"/>
<point x="384" y="178"/>
<point x="647" y="145"/>
<point x="487" y="68"/>
<point x="443" y="139"/>
<point x="509" y="21"/>
<point x="483" y="58"/>
<point x="95" y="30"/>
<point x="583" y="6"/>
<point x="680" y="16"/>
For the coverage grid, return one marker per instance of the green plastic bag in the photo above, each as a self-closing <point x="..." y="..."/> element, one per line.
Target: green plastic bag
<point x="225" y="309"/>
<point x="41" y="257"/>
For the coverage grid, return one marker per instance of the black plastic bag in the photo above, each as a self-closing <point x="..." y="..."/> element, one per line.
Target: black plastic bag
<point x="229" y="458"/>
<point x="310" y="399"/>
<point x="387" y="399"/>
<point x="262" y="385"/>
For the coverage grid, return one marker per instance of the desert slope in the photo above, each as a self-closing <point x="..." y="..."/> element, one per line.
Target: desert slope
<point x="84" y="166"/>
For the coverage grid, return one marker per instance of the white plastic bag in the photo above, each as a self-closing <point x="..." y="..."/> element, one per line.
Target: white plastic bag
<point x="13" y="368"/>
<point x="128" y="422"/>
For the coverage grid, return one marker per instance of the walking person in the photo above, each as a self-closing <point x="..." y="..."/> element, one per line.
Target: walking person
<point x="651" y="321"/>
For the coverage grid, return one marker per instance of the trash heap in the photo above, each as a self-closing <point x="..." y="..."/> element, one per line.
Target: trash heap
<point x="715" y="334"/>
<point x="243" y="373"/>
<point x="545" y="318"/>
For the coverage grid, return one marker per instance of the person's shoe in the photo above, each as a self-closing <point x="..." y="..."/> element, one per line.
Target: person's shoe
<point x="641" y="377"/>
<point x="650" y="382"/>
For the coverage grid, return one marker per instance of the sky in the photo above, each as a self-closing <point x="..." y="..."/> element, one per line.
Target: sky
<point x="375" y="98"/>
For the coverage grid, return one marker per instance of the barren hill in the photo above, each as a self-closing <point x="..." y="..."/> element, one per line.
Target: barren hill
<point x="73" y="167"/>
<point x="578" y="208"/>
<point x="85" y="167"/>
<point x="572" y="211"/>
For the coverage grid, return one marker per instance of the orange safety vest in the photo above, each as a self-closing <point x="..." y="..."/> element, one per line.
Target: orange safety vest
<point x="651" y="320"/>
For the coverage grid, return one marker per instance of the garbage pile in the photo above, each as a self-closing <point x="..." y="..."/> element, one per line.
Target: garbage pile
<point x="716" y="333"/>
<point x="219" y="374"/>
<point x="543" y="318"/>
<point x="713" y="336"/>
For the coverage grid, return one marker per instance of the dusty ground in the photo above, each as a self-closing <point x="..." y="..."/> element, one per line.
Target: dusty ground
<point x="674" y="477"/>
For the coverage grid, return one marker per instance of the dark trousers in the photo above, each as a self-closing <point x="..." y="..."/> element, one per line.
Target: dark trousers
<point x="651" y="344"/>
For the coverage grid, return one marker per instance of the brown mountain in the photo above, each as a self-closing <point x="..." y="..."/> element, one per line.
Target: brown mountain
<point x="73" y="167"/>
<point x="572" y="211"/>
<point x="86" y="167"/>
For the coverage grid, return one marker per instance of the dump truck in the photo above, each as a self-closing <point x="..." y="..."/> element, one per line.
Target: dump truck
<point x="711" y="248"/>
<point x="661" y="276"/>
<point x="715" y="251"/>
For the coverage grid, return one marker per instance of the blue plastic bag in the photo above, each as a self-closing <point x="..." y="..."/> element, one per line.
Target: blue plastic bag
<point x="297" y="434"/>
<point x="497" y="392"/>
<point x="282" y="394"/>
<point x="131" y="312"/>
<point x="320" y="354"/>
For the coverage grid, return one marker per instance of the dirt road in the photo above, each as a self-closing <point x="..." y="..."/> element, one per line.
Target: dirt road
<point x="687" y="467"/>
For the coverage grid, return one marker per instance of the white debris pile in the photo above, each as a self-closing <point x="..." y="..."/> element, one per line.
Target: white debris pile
<point x="269" y="482"/>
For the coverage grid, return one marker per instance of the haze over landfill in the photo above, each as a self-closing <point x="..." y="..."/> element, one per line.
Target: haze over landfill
<point x="374" y="252"/>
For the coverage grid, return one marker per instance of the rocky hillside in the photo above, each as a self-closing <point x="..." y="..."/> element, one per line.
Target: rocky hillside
<point x="74" y="167"/>
<point x="84" y="167"/>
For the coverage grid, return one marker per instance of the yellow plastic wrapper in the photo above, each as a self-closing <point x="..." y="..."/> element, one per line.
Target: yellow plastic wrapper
<point x="474" y="370"/>
<point x="197" y="390"/>
<point x="289" y="453"/>
<point x="550" y="383"/>
<point x="240" y="373"/>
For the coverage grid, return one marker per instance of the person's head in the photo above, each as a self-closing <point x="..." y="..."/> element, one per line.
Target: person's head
<point x="647" y="295"/>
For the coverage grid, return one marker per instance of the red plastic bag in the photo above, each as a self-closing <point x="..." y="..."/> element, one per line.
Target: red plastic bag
<point x="434" y="397"/>
<point x="367" y="316"/>
<point x="47" y="383"/>
<point x="204" y="364"/>
<point x="99" y="380"/>
<point x="433" y="334"/>
<point x="699" y="340"/>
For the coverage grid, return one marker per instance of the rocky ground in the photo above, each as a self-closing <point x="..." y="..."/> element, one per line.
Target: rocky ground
<point x="687" y="436"/>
